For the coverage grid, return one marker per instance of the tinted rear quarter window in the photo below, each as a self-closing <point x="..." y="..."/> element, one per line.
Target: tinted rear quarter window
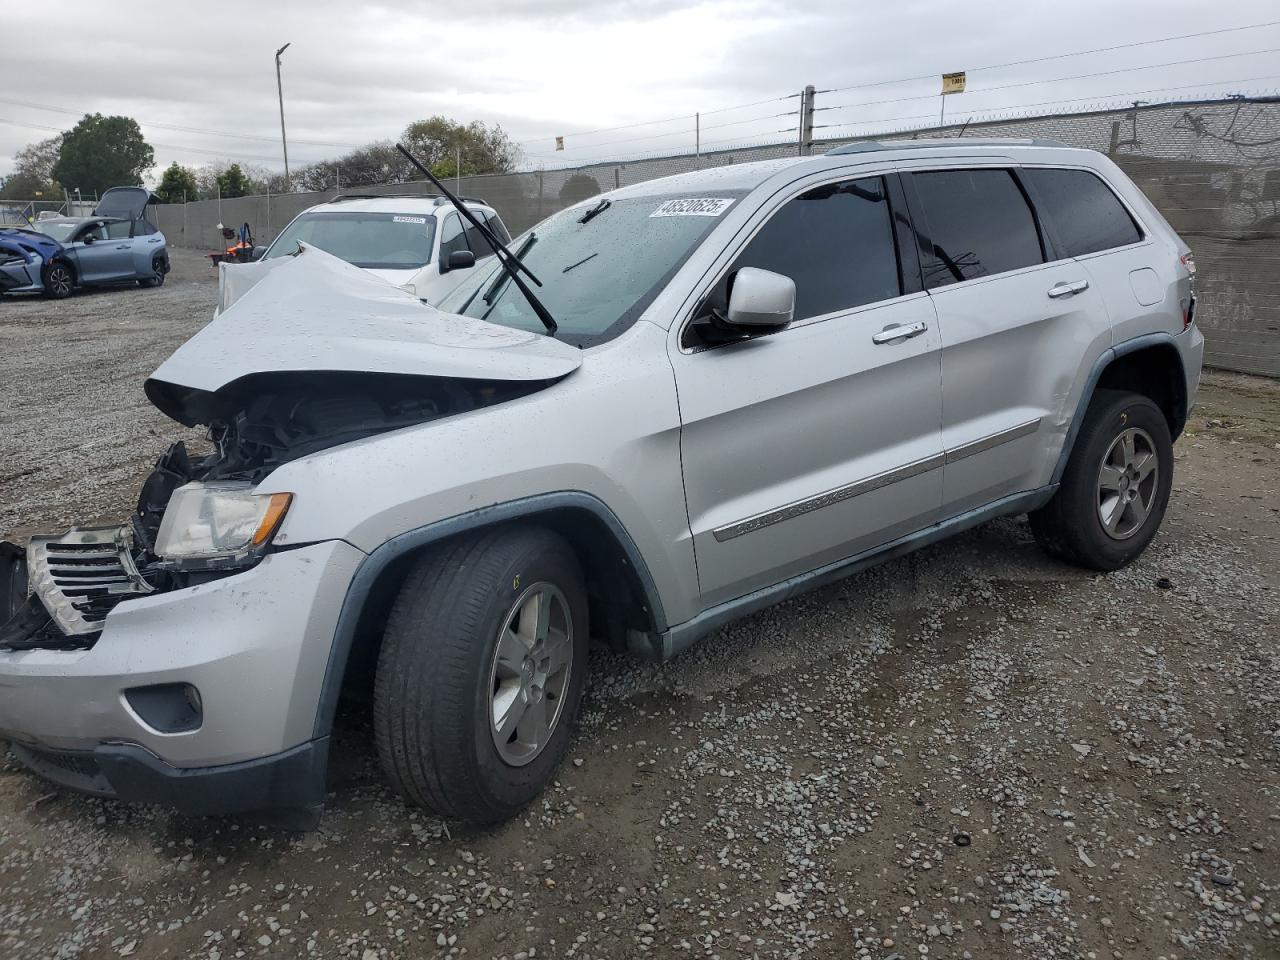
<point x="836" y="243"/>
<point x="1080" y="211"/>
<point x="978" y="224"/>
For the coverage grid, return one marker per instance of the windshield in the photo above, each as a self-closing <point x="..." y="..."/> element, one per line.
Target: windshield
<point x="60" y="230"/>
<point x="376" y="241"/>
<point x="597" y="277"/>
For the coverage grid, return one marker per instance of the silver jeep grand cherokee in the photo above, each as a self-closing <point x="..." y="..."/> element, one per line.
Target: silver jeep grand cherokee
<point x="731" y="385"/>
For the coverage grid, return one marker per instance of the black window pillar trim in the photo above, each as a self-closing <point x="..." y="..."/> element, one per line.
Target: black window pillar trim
<point x="1054" y="249"/>
<point x="904" y="235"/>
<point x="372" y="567"/>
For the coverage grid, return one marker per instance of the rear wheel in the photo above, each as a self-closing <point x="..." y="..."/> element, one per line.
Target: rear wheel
<point x="158" y="271"/>
<point x="1116" y="486"/>
<point x="481" y="672"/>
<point x="58" y="281"/>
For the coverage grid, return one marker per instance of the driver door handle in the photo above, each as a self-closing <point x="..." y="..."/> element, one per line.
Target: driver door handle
<point x="897" y="332"/>
<point x="1064" y="289"/>
<point x="122" y="246"/>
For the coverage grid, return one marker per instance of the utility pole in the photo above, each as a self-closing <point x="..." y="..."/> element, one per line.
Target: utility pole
<point x="457" y="170"/>
<point x="805" y="144"/>
<point x="697" y="136"/>
<point x="284" y="142"/>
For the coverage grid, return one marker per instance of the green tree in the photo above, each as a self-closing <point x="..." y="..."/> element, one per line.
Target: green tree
<point x="102" y="152"/>
<point x="485" y="149"/>
<point x="233" y="182"/>
<point x="178" y="184"/>
<point x="33" y="172"/>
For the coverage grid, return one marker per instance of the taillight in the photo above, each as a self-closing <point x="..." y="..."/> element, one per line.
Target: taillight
<point x="1189" y="261"/>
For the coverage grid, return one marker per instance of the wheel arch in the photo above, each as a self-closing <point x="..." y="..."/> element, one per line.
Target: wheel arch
<point x="67" y="261"/>
<point x="1149" y="365"/>
<point x="620" y="588"/>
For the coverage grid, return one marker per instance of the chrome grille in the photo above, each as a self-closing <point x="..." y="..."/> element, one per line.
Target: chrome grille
<point x="83" y="574"/>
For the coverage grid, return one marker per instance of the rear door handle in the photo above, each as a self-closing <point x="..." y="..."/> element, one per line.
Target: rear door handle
<point x="1065" y="289"/>
<point x="896" y="332"/>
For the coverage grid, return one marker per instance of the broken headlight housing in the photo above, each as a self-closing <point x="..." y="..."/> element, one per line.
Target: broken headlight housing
<point x="218" y="526"/>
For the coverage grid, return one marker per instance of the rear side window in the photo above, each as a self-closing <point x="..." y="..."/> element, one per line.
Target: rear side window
<point x="1081" y="211"/>
<point x="979" y="224"/>
<point x="118" y="230"/>
<point x="836" y="243"/>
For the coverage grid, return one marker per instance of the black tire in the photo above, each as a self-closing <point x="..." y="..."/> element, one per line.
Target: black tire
<point x="59" y="280"/>
<point x="1070" y="526"/>
<point x="158" y="271"/>
<point x="434" y="687"/>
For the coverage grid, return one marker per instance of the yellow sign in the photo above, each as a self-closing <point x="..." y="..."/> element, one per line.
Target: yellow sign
<point x="953" y="83"/>
<point x="559" y="143"/>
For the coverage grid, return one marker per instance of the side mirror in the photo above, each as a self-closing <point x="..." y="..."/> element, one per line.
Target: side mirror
<point x="460" y="260"/>
<point x="258" y="250"/>
<point x="88" y="238"/>
<point x="761" y="300"/>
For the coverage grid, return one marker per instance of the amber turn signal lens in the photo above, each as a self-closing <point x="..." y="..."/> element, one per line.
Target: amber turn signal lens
<point x="272" y="517"/>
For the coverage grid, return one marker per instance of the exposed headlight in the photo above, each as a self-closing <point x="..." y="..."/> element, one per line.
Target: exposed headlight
<point x="219" y="524"/>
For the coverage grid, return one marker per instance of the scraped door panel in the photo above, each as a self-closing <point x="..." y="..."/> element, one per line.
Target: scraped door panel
<point x="1017" y="332"/>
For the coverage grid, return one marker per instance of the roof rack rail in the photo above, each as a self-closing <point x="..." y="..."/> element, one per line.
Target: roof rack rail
<point x="382" y="196"/>
<point x="869" y="146"/>
<point x="440" y="201"/>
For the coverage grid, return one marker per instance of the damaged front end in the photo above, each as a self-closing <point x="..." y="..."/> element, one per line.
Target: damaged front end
<point x="317" y="355"/>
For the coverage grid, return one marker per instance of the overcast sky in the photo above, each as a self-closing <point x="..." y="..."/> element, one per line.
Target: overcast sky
<point x="193" y="73"/>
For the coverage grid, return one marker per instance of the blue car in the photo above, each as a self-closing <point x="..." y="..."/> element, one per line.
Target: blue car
<point x="115" y="245"/>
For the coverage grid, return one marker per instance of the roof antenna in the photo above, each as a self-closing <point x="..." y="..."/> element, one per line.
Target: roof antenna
<point x="964" y="127"/>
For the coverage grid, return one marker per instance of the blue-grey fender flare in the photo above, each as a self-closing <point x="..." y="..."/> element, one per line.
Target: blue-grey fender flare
<point x="1107" y="357"/>
<point x="372" y="567"/>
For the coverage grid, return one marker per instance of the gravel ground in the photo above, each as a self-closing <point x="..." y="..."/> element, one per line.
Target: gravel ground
<point x="971" y="752"/>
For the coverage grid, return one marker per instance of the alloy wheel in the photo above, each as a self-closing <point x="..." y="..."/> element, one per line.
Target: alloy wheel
<point x="532" y="661"/>
<point x="59" y="281"/>
<point x="1127" y="483"/>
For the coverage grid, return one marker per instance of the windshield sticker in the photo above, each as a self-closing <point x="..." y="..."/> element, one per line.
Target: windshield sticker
<point x="693" y="207"/>
<point x="409" y="219"/>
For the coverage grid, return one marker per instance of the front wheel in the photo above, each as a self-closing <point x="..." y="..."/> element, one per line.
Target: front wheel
<point x="1116" y="486"/>
<point x="58" y="281"/>
<point x="481" y="672"/>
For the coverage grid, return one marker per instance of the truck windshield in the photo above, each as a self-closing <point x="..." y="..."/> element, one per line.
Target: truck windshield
<point x="375" y="241"/>
<point x="597" y="276"/>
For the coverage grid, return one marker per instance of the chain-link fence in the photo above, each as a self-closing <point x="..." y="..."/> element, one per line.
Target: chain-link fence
<point x="1211" y="167"/>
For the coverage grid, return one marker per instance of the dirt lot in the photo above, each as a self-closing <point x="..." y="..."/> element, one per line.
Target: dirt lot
<point x="971" y="752"/>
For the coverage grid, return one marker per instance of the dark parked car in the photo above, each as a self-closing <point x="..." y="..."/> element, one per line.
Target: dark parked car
<point x="116" y="245"/>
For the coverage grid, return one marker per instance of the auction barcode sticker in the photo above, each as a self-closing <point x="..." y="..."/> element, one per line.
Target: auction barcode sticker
<point x="409" y="219"/>
<point x="693" y="207"/>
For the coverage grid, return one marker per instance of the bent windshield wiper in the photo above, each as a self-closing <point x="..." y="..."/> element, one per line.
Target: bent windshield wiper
<point x="509" y="261"/>
<point x="500" y="281"/>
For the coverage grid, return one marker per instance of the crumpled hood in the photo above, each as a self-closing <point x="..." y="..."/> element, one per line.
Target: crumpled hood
<point x="18" y="240"/>
<point x="315" y="313"/>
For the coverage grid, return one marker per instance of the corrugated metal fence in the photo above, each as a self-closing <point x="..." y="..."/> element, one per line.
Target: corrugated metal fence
<point x="1211" y="167"/>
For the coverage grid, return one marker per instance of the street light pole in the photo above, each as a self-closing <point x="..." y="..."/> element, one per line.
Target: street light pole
<point x="284" y="142"/>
